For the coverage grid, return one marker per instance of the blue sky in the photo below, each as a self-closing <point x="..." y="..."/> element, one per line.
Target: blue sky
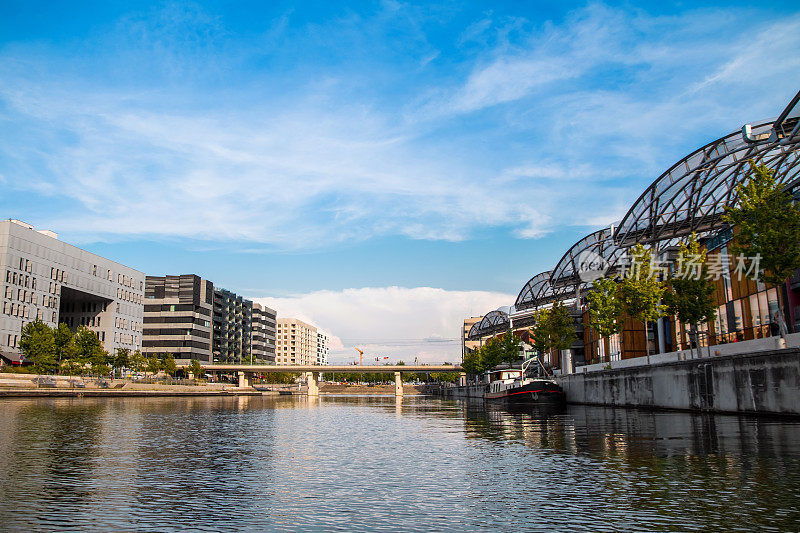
<point x="382" y="169"/>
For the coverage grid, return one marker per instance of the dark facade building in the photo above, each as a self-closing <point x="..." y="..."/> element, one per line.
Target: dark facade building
<point x="177" y="317"/>
<point x="262" y="339"/>
<point x="233" y="320"/>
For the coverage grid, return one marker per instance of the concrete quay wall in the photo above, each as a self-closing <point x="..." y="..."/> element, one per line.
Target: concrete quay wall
<point x="766" y="382"/>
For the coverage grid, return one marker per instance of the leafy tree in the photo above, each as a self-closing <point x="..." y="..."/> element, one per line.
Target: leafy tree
<point x="37" y="345"/>
<point x="605" y="308"/>
<point x="153" y="365"/>
<point x="73" y="366"/>
<point x="540" y="332"/>
<point x="472" y="362"/>
<point x="137" y="361"/>
<point x="196" y="370"/>
<point x="64" y="342"/>
<point x="510" y="346"/>
<point x="561" y="327"/>
<point x="640" y="291"/>
<point x="492" y="354"/>
<point x="767" y="225"/>
<point x="90" y="350"/>
<point x="168" y="364"/>
<point x="122" y="358"/>
<point x="689" y="294"/>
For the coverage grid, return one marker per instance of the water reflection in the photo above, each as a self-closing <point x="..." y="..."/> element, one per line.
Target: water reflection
<point x="367" y="463"/>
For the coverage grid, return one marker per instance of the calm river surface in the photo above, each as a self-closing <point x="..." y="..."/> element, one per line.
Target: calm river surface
<point x="375" y="464"/>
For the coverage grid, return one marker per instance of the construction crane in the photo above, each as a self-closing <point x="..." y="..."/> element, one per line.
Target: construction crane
<point x="361" y="356"/>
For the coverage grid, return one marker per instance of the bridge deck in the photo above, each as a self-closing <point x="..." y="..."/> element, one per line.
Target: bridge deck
<point x="329" y="368"/>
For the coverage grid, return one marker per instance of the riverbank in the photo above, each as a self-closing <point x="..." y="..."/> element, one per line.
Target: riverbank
<point x="47" y="386"/>
<point x="119" y="393"/>
<point x="28" y="386"/>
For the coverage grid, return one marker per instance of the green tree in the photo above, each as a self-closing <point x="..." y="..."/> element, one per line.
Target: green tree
<point x="766" y="224"/>
<point x="510" y="346"/>
<point x="137" y="361"/>
<point x="91" y="351"/>
<point x="472" y="362"/>
<point x="492" y="354"/>
<point x="169" y="365"/>
<point x="690" y="295"/>
<point x="153" y="365"/>
<point x="540" y="332"/>
<point x="38" y="346"/>
<point x="605" y="308"/>
<point x="561" y="327"/>
<point x="640" y="290"/>
<point x="196" y="369"/>
<point x="64" y="341"/>
<point x="122" y="358"/>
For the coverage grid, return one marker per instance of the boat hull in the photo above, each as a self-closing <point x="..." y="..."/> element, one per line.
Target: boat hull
<point x="536" y="393"/>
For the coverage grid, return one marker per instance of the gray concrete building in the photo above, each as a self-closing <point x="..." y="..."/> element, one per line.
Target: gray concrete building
<point x="177" y="317"/>
<point x="55" y="282"/>
<point x="262" y="338"/>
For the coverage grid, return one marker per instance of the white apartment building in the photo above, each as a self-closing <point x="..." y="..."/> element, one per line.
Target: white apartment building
<point x="295" y="342"/>
<point x="322" y="348"/>
<point x="55" y="282"/>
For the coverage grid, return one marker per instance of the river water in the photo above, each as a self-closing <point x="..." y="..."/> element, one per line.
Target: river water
<point x="380" y="464"/>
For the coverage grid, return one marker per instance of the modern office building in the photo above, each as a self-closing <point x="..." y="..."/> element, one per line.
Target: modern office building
<point x="296" y="343"/>
<point x="177" y="317"/>
<point x="466" y="344"/>
<point x="262" y="337"/>
<point x="55" y="282"/>
<point x="233" y="316"/>
<point x="322" y="348"/>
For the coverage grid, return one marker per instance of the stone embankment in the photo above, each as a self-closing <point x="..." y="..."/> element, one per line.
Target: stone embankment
<point x="765" y="382"/>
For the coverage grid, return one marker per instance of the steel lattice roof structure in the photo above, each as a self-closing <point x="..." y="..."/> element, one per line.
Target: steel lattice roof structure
<point x="492" y="323"/>
<point x="690" y="196"/>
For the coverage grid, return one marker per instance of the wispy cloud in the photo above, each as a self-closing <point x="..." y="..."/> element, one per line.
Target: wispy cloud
<point x="160" y="129"/>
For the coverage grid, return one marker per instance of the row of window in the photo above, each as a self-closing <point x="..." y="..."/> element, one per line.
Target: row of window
<point x="20" y="279"/>
<point x="24" y="311"/>
<point x="124" y="323"/>
<point x="177" y="331"/>
<point x="129" y="296"/>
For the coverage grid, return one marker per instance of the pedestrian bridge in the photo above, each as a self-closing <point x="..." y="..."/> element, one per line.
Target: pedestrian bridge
<point x="313" y="373"/>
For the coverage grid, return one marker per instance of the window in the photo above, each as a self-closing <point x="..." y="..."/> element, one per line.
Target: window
<point x="94" y="270"/>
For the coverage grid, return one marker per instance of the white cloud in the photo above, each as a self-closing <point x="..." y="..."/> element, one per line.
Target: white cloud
<point x="580" y="116"/>
<point x="398" y="322"/>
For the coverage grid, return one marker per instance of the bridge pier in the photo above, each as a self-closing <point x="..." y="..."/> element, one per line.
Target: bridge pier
<point x="313" y="384"/>
<point x="398" y="384"/>
<point x="245" y="379"/>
